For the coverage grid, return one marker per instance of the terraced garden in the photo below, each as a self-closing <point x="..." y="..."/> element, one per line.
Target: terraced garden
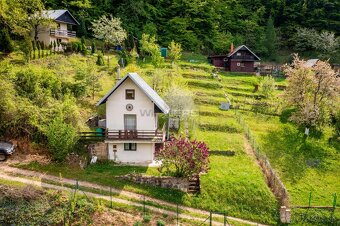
<point x="234" y="183"/>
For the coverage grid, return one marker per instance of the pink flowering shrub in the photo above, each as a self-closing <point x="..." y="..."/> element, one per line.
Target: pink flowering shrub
<point x="183" y="158"/>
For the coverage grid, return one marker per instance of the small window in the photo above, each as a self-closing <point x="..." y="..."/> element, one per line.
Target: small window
<point x="238" y="54"/>
<point x="130" y="146"/>
<point x="130" y="94"/>
<point x="242" y="64"/>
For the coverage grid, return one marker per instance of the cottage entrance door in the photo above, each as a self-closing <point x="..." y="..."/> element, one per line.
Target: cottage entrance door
<point x="130" y="126"/>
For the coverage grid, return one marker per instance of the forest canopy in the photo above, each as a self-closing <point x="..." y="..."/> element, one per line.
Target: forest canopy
<point x="207" y="26"/>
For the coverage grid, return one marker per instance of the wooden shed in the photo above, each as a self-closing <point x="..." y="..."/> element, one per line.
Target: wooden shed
<point x="242" y="59"/>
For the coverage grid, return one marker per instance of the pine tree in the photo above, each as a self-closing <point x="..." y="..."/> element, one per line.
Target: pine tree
<point x="93" y="48"/>
<point x="83" y="46"/>
<point x="42" y="49"/>
<point x="271" y="39"/>
<point x="26" y="48"/>
<point x="54" y="46"/>
<point x="34" y="47"/>
<point x="38" y="47"/>
<point x="50" y="47"/>
<point x="82" y="28"/>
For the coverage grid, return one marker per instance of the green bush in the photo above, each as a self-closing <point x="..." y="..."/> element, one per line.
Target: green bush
<point x="137" y="223"/>
<point x="231" y="128"/>
<point x="61" y="138"/>
<point x="6" y="43"/>
<point x="100" y="59"/>
<point x="93" y="48"/>
<point x="147" y="218"/>
<point x="160" y="223"/>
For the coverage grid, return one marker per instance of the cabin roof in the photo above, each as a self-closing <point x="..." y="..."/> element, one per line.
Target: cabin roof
<point x="152" y="94"/>
<point x="243" y="47"/>
<point x="311" y="62"/>
<point x="58" y="14"/>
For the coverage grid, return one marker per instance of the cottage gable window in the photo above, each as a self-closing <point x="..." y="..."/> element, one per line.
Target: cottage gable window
<point x="130" y="146"/>
<point x="129" y="94"/>
<point x="238" y="54"/>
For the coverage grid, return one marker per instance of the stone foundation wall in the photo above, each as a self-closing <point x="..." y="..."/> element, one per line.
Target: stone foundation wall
<point x="98" y="149"/>
<point x="160" y="181"/>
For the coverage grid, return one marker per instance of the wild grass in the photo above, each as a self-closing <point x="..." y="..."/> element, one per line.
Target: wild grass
<point x="304" y="164"/>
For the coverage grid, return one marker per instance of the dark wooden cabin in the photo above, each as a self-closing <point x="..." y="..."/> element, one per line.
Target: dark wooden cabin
<point x="242" y="59"/>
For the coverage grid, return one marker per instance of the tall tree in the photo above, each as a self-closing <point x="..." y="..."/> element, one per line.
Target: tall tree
<point x="20" y="15"/>
<point x="311" y="91"/>
<point x="271" y="39"/>
<point x="109" y="30"/>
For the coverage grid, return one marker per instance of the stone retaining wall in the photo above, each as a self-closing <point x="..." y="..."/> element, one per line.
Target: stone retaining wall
<point x="98" y="149"/>
<point x="160" y="181"/>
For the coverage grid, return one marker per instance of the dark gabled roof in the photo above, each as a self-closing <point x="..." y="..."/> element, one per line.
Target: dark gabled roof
<point x="158" y="101"/>
<point x="243" y="47"/>
<point x="61" y="15"/>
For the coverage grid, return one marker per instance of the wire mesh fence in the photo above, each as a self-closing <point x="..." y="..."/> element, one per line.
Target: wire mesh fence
<point x="273" y="180"/>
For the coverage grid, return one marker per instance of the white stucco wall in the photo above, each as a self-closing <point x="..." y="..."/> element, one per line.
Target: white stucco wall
<point x="143" y="108"/>
<point x="144" y="153"/>
<point x="44" y="35"/>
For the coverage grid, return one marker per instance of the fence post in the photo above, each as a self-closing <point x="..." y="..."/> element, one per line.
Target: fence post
<point x="210" y="217"/>
<point x="177" y="214"/>
<point x="310" y="198"/>
<point x="224" y="219"/>
<point x="111" y="197"/>
<point x="334" y="201"/>
<point x="144" y="205"/>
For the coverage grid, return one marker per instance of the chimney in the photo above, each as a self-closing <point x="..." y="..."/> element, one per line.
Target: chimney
<point x="231" y="47"/>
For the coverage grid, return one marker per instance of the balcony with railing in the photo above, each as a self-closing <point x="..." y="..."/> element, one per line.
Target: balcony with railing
<point x="126" y="135"/>
<point x="62" y="33"/>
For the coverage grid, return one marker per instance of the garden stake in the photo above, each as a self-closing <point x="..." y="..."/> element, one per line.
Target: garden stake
<point x="111" y="196"/>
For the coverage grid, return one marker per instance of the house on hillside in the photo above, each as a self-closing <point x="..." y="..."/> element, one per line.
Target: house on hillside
<point x="132" y="132"/>
<point x="241" y="59"/>
<point x="311" y="62"/>
<point x="62" y="33"/>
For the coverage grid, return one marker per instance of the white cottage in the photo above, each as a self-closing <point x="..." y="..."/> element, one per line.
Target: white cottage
<point x="132" y="109"/>
<point x="64" y="30"/>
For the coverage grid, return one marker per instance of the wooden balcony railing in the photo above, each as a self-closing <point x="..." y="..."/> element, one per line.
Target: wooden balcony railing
<point x="151" y="135"/>
<point x="64" y="33"/>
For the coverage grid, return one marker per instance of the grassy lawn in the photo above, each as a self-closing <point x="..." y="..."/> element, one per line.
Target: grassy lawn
<point x="234" y="183"/>
<point x="304" y="165"/>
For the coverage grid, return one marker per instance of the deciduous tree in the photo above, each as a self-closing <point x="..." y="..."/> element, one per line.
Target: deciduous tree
<point x="109" y="30"/>
<point x="149" y="45"/>
<point x="175" y="51"/>
<point x="311" y="91"/>
<point x="61" y="137"/>
<point x="186" y="158"/>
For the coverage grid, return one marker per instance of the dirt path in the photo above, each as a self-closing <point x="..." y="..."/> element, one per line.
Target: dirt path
<point x="41" y="176"/>
<point x="105" y="197"/>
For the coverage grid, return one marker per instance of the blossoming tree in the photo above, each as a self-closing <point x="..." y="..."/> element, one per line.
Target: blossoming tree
<point x="183" y="158"/>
